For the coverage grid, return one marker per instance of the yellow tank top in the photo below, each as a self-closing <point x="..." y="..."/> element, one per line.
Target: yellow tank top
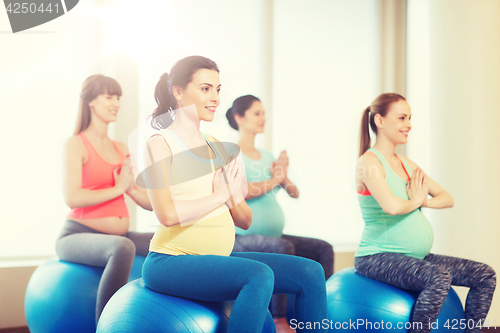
<point x="212" y="233"/>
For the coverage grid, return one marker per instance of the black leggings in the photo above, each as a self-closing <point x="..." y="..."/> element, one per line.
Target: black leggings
<point x="433" y="276"/>
<point x="83" y="245"/>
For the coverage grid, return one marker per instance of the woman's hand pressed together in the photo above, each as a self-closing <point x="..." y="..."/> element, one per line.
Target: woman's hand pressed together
<point x="124" y="179"/>
<point x="279" y="168"/>
<point x="417" y="187"/>
<point x="227" y="183"/>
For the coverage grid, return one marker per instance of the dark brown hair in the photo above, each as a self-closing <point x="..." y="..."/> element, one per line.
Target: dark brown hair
<point x="92" y="87"/>
<point x="180" y="75"/>
<point x="379" y="106"/>
<point x="240" y="106"/>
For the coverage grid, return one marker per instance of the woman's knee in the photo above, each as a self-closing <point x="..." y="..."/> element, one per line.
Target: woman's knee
<point x="261" y="276"/>
<point x="488" y="276"/>
<point x="123" y="247"/>
<point x="313" y="271"/>
<point x="326" y="248"/>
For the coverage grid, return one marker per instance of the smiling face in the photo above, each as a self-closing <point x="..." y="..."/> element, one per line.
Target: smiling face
<point x="105" y="107"/>
<point x="202" y="92"/>
<point x="254" y="119"/>
<point x="396" y="124"/>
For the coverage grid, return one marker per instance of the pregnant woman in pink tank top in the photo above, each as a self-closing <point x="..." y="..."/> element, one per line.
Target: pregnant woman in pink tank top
<point x="97" y="174"/>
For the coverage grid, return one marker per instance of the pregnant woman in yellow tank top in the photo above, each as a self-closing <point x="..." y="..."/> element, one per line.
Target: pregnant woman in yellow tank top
<point x="197" y="192"/>
<point x="397" y="237"/>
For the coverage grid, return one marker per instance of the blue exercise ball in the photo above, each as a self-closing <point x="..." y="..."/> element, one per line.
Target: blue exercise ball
<point x="359" y="304"/>
<point x="137" y="309"/>
<point x="61" y="296"/>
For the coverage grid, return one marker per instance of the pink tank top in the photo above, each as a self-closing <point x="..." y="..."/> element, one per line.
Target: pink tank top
<point x="98" y="174"/>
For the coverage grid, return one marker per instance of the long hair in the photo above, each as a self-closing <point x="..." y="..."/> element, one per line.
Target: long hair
<point x="379" y="106"/>
<point x="180" y="75"/>
<point x="92" y="87"/>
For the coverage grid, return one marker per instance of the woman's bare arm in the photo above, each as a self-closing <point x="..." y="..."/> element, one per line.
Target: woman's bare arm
<point x="74" y="195"/>
<point x="371" y="173"/>
<point x="440" y="198"/>
<point x="138" y="194"/>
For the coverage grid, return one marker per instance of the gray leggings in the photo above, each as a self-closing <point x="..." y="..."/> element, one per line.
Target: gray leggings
<point x="310" y="248"/>
<point x="433" y="276"/>
<point x="83" y="245"/>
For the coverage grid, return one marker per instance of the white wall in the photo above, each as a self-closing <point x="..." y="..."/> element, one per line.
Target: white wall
<point x="42" y="71"/>
<point x="326" y="72"/>
<point x="453" y="88"/>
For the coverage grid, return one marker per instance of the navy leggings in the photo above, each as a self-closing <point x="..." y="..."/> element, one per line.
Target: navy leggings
<point x="433" y="276"/>
<point x="248" y="278"/>
<point x="311" y="248"/>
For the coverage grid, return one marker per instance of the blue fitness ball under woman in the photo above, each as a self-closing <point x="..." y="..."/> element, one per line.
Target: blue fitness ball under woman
<point x="198" y="204"/>
<point x="397" y="237"/>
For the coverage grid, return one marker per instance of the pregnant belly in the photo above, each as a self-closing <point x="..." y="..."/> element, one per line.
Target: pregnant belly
<point x="214" y="235"/>
<point x="412" y="235"/>
<point x="112" y="225"/>
<point x="268" y="218"/>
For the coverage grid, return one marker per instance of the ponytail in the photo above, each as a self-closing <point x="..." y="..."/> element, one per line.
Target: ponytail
<point x="379" y="106"/>
<point x="364" y="138"/>
<point x="166" y="104"/>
